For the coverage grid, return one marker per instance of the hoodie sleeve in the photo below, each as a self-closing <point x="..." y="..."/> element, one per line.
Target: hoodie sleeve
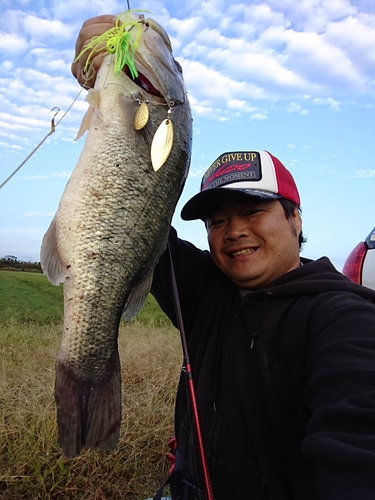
<point x="191" y="270"/>
<point x="340" y="393"/>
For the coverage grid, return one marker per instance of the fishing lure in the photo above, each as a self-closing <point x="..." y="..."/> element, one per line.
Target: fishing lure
<point x="122" y="41"/>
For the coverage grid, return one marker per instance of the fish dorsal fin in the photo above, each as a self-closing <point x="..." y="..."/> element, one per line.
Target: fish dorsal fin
<point x="52" y="264"/>
<point x="137" y="297"/>
<point x="93" y="98"/>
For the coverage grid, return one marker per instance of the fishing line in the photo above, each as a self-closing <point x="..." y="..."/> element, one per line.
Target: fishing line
<point x="53" y="128"/>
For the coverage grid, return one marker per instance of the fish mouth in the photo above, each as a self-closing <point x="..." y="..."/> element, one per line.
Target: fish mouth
<point x="144" y="83"/>
<point x="244" y="251"/>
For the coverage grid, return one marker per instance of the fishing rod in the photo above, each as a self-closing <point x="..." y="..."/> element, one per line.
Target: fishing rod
<point x="190" y="384"/>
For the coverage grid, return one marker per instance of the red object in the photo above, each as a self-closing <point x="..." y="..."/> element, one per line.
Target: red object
<point x="256" y="173"/>
<point x="190" y="385"/>
<point x="193" y="401"/>
<point x="172" y="444"/>
<point x="354" y="263"/>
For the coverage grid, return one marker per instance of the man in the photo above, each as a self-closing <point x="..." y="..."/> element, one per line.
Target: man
<point x="282" y="347"/>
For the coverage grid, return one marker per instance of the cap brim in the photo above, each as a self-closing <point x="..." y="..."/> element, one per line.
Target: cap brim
<point x="204" y="203"/>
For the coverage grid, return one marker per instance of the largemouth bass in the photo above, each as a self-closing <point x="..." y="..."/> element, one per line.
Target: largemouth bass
<point x="110" y="229"/>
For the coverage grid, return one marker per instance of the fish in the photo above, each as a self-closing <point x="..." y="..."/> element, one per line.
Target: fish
<point x="111" y="227"/>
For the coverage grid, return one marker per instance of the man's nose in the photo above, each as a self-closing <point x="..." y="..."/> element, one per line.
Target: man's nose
<point x="236" y="228"/>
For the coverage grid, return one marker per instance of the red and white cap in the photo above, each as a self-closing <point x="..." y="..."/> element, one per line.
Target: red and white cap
<point x="255" y="173"/>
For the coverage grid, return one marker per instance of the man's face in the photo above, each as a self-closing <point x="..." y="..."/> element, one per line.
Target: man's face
<point x="252" y="241"/>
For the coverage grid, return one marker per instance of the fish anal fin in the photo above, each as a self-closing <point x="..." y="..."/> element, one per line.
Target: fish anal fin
<point x="51" y="262"/>
<point x="88" y="412"/>
<point x="137" y="298"/>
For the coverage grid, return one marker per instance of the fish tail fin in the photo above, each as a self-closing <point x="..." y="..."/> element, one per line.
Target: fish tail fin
<point x="89" y="413"/>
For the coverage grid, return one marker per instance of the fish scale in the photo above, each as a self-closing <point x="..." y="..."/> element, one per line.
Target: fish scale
<point x="109" y="231"/>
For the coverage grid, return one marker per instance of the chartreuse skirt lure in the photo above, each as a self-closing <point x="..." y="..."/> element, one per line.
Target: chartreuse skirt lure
<point x="122" y="42"/>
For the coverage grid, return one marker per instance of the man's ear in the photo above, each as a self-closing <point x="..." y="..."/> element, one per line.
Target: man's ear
<point x="297" y="221"/>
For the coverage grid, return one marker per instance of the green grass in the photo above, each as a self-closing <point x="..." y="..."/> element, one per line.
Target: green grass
<point x="30" y="297"/>
<point x="31" y="462"/>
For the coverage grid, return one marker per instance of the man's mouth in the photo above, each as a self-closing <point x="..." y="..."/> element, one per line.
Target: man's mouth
<point x="244" y="251"/>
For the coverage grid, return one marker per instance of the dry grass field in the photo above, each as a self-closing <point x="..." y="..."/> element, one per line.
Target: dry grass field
<point x="31" y="462"/>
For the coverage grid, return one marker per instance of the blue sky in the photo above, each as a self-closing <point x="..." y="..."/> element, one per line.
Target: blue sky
<point x="296" y="78"/>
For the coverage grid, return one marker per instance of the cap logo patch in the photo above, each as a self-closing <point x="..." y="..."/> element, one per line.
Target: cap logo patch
<point x="233" y="167"/>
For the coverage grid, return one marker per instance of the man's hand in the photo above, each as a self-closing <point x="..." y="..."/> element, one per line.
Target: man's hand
<point x="92" y="27"/>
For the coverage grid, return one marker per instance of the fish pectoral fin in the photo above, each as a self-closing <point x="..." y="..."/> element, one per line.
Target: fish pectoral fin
<point x="86" y="122"/>
<point x="88" y="411"/>
<point x="93" y="98"/>
<point x="137" y="298"/>
<point x="51" y="262"/>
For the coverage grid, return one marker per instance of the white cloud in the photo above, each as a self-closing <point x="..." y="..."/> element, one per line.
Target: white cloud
<point x="84" y="9"/>
<point x="218" y="88"/>
<point x="37" y="215"/>
<point x="279" y="48"/>
<point x="6" y="65"/>
<point x="196" y="172"/>
<point x="294" y="107"/>
<point x="65" y="174"/>
<point x="12" y="44"/>
<point x="44" y="29"/>
<point x="313" y="15"/>
<point x="240" y="105"/>
<point x="18" y="230"/>
<point x="321" y="49"/>
<point x="364" y="174"/>
<point x="330" y="102"/>
<point x="257" y="17"/>
<point x="185" y="27"/>
<point x="258" y="116"/>
<point x="52" y="59"/>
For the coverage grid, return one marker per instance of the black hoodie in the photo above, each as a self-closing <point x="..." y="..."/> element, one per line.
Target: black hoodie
<point x="285" y="380"/>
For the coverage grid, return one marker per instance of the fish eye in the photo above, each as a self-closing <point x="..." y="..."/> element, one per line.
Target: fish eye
<point x="178" y="66"/>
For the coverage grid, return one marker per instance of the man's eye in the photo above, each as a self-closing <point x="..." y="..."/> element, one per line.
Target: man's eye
<point x="215" y="222"/>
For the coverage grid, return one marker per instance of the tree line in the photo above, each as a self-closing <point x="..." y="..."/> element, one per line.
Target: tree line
<point x="11" y="263"/>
